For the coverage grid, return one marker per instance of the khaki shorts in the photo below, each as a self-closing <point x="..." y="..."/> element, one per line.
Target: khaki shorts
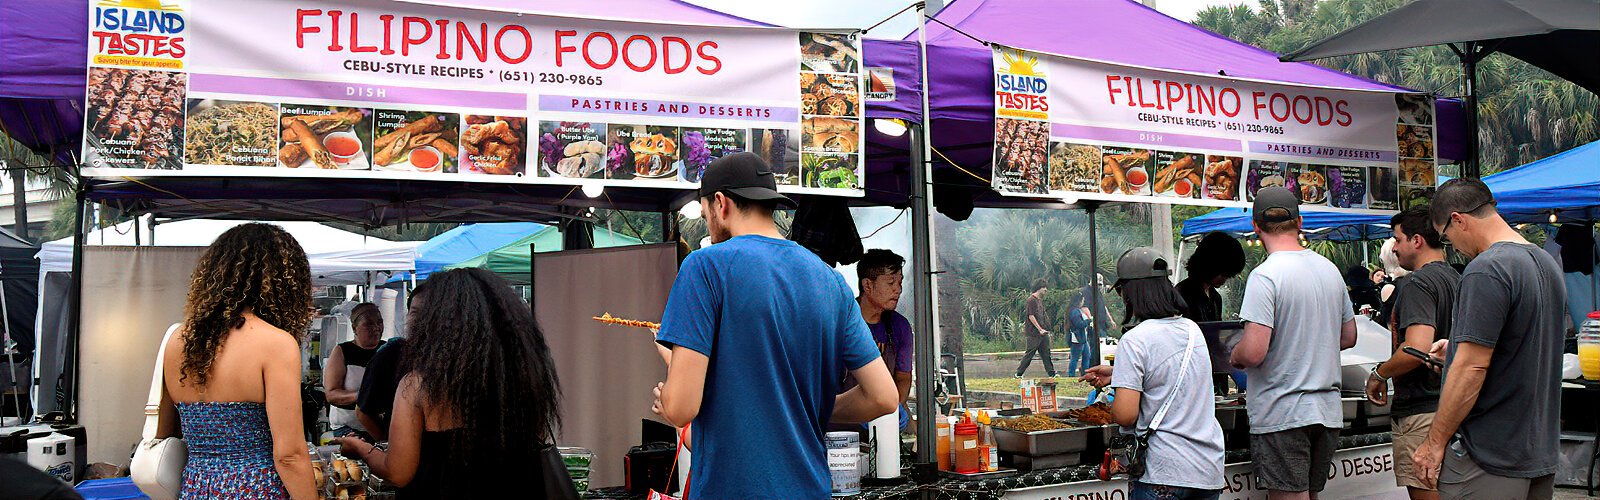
<point x="1409" y="433"/>
<point x="1460" y="478"/>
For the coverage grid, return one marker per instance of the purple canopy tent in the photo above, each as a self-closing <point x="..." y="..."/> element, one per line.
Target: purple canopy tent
<point x="42" y="89"/>
<point x="961" y="93"/>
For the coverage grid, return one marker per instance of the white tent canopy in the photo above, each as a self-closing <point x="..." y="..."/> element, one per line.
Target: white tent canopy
<point x="337" y="257"/>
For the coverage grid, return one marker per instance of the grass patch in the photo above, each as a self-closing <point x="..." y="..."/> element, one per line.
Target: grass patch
<point x="1065" y="387"/>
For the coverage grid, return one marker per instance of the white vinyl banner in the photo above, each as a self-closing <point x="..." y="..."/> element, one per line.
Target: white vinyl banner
<point x="1067" y="127"/>
<point x="381" y="89"/>
<point x="1366" y="473"/>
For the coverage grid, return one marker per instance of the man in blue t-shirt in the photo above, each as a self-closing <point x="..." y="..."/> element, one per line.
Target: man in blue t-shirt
<point x="880" y="274"/>
<point x="755" y="334"/>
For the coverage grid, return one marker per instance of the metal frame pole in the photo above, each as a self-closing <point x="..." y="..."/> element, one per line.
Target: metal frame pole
<point x="1097" y="302"/>
<point x="69" y="405"/>
<point x="925" y="322"/>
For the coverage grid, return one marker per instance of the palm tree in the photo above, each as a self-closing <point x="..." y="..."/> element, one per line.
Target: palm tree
<point x="994" y="256"/>
<point x="25" y="166"/>
<point x="1524" y="113"/>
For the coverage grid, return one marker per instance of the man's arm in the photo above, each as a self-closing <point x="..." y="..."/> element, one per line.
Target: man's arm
<point x="1419" y="337"/>
<point x="873" y="396"/>
<point x="1252" y="348"/>
<point x="333" y="381"/>
<point x="678" y="399"/>
<point x="902" y="384"/>
<point x="1347" y="335"/>
<point x="1035" y="321"/>
<point x="1466" y="375"/>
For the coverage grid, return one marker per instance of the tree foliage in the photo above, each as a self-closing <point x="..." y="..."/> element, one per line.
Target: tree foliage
<point x="1525" y="113"/>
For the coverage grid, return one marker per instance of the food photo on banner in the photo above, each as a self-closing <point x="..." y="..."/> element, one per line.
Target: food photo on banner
<point x="1092" y="130"/>
<point x="414" y="91"/>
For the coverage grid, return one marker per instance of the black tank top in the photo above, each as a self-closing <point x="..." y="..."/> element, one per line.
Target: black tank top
<point x="354" y="355"/>
<point x="514" y="474"/>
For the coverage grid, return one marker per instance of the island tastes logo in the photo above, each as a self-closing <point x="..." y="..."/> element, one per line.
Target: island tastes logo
<point x="139" y="33"/>
<point x="1021" y="86"/>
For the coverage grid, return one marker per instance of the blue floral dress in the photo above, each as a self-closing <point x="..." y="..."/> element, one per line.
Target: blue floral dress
<point x="230" y="452"/>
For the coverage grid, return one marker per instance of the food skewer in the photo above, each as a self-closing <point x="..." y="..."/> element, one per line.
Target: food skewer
<point x="607" y="318"/>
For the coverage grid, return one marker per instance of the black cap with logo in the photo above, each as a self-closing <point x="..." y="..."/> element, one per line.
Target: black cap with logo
<point x="742" y="175"/>
<point x="1275" y="197"/>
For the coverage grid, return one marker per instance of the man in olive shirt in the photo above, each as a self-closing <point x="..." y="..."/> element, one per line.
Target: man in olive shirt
<point x="1422" y="312"/>
<point x="1034" y="323"/>
<point x="1496" y="433"/>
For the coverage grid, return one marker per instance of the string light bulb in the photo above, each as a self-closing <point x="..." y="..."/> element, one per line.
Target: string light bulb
<point x="1552" y="216"/>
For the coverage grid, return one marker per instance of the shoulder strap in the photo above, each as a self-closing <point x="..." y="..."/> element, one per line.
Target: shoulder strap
<point x="1183" y="372"/>
<point x="152" y="406"/>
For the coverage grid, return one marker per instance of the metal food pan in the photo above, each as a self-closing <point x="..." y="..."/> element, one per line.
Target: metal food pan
<point x="1042" y="443"/>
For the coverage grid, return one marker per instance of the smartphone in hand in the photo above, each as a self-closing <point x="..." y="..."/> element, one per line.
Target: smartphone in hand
<point x="1433" y="362"/>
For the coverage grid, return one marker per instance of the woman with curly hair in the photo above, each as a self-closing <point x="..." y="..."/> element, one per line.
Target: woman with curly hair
<point x="232" y="373"/>
<point x="479" y="399"/>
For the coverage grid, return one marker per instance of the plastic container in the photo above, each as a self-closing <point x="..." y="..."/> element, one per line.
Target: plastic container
<point x="942" y="449"/>
<point x="990" y="448"/>
<point x="844" y="462"/>
<point x="53" y="454"/>
<point x="1589" y="347"/>
<point x="967" y="461"/>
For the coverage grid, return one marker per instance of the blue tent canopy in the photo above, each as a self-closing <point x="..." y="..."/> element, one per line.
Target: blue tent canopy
<point x="465" y="242"/>
<point x="1336" y="226"/>
<point x="1568" y="183"/>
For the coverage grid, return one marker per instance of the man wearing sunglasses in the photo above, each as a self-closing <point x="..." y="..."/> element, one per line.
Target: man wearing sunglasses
<point x="1496" y="431"/>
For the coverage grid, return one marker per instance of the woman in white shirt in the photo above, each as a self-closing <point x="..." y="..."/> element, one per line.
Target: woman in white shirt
<point x="1185" y="454"/>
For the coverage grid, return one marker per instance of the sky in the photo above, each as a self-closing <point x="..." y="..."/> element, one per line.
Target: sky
<point x="864" y="13"/>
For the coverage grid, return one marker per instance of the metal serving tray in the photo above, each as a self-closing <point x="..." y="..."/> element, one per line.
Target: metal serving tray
<point x="1043" y="443"/>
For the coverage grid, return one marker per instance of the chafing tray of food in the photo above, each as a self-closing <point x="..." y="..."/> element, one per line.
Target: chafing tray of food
<point x="1040" y="443"/>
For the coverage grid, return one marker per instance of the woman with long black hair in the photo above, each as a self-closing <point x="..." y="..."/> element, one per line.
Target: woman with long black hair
<point x="1162" y="370"/>
<point x="479" y="400"/>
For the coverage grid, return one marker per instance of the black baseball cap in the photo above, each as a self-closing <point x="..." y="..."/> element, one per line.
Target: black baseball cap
<point x="743" y="175"/>
<point x="1275" y="197"/>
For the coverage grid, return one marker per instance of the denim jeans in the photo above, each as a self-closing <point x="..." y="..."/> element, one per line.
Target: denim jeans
<point x="1147" y="491"/>
<point x="1078" y="362"/>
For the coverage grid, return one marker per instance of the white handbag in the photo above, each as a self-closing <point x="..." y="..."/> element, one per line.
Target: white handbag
<point x="157" y="466"/>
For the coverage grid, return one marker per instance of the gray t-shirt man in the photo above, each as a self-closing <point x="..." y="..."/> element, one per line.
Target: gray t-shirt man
<point x="1301" y="295"/>
<point x="1187" y="450"/>
<point x="1513" y="299"/>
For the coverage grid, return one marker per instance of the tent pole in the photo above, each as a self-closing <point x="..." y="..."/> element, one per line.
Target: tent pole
<point x="1469" y="61"/>
<point x="11" y="358"/>
<point x="1096" y="302"/>
<point x="922" y="261"/>
<point x="74" y="309"/>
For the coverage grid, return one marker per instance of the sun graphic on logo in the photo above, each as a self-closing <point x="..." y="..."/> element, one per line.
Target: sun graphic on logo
<point x="1018" y="63"/>
<point x="139" y="4"/>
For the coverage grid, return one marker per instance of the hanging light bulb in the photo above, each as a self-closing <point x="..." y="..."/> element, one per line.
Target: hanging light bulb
<point x="1070" y="199"/>
<point x="705" y="242"/>
<point x="593" y="190"/>
<point x="690" y="210"/>
<point x="891" y="127"/>
<point x="1552" y="216"/>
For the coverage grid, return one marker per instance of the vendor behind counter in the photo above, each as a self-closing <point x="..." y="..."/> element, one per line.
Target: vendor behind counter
<point x="1217" y="259"/>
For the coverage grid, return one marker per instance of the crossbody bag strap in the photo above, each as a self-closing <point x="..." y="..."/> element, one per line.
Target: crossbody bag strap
<point x="152" y="406"/>
<point x="1183" y="371"/>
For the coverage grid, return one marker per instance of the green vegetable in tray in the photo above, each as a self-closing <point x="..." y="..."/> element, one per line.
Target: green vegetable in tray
<point x="578" y="472"/>
<point x="576" y="457"/>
